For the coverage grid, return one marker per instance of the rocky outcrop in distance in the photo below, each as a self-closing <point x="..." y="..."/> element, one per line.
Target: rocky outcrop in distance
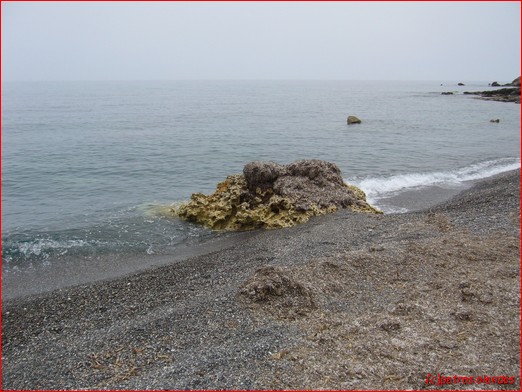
<point x="510" y="92"/>
<point x="507" y="94"/>
<point x="269" y="195"/>
<point x="514" y="83"/>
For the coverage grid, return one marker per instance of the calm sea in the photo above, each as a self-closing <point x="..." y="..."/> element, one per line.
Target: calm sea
<point x="85" y="165"/>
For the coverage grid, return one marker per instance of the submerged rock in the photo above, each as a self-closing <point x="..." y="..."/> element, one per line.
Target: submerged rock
<point x="353" y="120"/>
<point x="270" y="195"/>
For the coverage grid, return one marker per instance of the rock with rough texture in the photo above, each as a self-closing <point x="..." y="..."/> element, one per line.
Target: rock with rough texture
<point x="270" y="195"/>
<point x="261" y="174"/>
<point x="353" y="120"/>
<point x="516" y="82"/>
<point x="508" y="94"/>
<point x="495" y="84"/>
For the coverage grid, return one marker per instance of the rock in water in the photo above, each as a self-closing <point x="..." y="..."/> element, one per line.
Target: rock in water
<point x="508" y="94"/>
<point x="516" y="82"/>
<point x="270" y="195"/>
<point x="353" y="120"/>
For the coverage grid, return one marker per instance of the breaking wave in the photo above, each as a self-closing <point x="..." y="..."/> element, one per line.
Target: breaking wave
<point x="386" y="186"/>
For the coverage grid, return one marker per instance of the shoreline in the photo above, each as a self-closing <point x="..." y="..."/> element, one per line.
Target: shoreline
<point x="73" y="270"/>
<point x="360" y="302"/>
<point x="80" y="271"/>
<point x="414" y="200"/>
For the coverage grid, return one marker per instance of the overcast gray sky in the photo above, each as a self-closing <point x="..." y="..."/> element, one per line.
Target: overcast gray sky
<point x="257" y="40"/>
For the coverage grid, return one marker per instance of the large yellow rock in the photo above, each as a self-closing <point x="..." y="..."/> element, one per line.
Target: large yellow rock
<point x="225" y="209"/>
<point x="237" y="205"/>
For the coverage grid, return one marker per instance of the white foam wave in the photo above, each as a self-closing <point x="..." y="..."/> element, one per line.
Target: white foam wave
<point x="43" y="248"/>
<point x="42" y="245"/>
<point x="380" y="187"/>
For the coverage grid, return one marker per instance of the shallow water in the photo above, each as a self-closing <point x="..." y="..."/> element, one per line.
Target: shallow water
<point x="85" y="164"/>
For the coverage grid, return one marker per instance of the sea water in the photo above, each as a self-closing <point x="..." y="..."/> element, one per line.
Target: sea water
<point x="87" y="167"/>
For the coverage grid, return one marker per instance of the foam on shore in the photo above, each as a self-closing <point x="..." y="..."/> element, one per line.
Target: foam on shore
<point x="393" y="194"/>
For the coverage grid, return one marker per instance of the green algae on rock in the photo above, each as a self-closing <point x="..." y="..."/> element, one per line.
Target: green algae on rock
<point x="269" y="195"/>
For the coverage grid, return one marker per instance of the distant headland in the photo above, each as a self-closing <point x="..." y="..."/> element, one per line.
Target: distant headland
<point x="510" y="92"/>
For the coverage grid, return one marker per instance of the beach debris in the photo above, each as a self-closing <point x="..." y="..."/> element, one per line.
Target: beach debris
<point x="440" y="221"/>
<point x="353" y="120"/>
<point x="270" y="195"/>
<point x="277" y="291"/>
<point x="280" y="355"/>
<point x="391" y="326"/>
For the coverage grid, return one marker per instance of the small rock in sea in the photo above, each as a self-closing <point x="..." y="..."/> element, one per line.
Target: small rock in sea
<point x="270" y="195"/>
<point x="494" y="84"/>
<point x="460" y="84"/>
<point x="353" y="120"/>
<point x="447" y="93"/>
<point x="516" y="82"/>
<point x="495" y="121"/>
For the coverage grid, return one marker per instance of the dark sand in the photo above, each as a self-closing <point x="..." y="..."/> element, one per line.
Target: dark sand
<point x="415" y="200"/>
<point x="346" y="301"/>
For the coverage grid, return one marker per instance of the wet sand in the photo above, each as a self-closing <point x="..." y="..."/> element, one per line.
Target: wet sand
<point x="345" y="301"/>
<point x="74" y="271"/>
<point x="416" y="200"/>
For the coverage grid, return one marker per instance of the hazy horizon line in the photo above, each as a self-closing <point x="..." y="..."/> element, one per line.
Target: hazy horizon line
<point x="258" y="80"/>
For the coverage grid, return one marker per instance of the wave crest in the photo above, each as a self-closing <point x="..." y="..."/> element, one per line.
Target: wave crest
<point x="380" y="187"/>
